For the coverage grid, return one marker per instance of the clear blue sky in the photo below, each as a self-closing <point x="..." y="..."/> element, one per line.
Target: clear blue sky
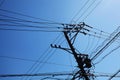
<point x="19" y="49"/>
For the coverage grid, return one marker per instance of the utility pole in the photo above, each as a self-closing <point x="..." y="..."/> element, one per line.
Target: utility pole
<point x="82" y="60"/>
<point x="78" y="59"/>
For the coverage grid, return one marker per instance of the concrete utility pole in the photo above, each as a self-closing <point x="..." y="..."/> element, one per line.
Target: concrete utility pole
<point x="82" y="60"/>
<point x="78" y="59"/>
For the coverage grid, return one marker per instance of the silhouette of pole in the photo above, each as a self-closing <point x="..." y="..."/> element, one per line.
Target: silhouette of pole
<point x="114" y="75"/>
<point x="78" y="59"/>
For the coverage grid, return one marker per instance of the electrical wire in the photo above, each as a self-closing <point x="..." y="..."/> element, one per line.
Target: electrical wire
<point x="48" y="23"/>
<point x="34" y="30"/>
<point x="35" y="65"/>
<point x="104" y="35"/>
<point x="28" y="30"/>
<point x="14" y="20"/>
<point x="45" y="60"/>
<point x="90" y="40"/>
<point x="11" y="18"/>
<point x="41" y="66"/>
<point x="27" y="15"/>
<point x="50" y="55"/>
<point x="85" y="10"/>
<point x="80" y="9"/>
<point x="88" y="43"/>
<point x="44" y="57"/>
<point x="99" y="33"/>
<point x="115" y="74"/>
<point x="114" y="36"/>
<point x="100" y="30"/>
<point x="61" y="73"/>
<point x="38" y="74"/>
<point x="8" y="11"/>
<point x="31" y="60"/>
<point x="48" y="58"/>
<point x="92" y="9"/>
<point x="108" y="54"/>
<point x="71" y="63"/>
<point x="28" y="21"/>
<point x="97" y="42"/>
<point x="91" y="44"/>
<point x="31" y="26"/>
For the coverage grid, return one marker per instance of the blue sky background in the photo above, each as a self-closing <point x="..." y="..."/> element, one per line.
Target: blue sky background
<point x="20" y="49"/>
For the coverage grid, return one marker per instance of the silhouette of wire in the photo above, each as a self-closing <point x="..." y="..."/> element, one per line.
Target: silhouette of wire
<point x="45" y="60"/>
<point x="85" y="10"/>
<point x="108" y="54"/>
<point x="27" y="21"/>
<point x="93" y="9"/>
<point x="43" y="29"/>
<point x="71" y="63"/>
<point x="114" y="75"/>
<point x="44" y="57"/>
<point x="88" y="43"/>
<point x="97" y="42"/>
<point x="48" y="23"/>
<point x="35" y="65"/>
<point x="28" y="30"/>
<point x="8" y="11"/>
<point x="31" y="60"/>
<point x="15" y="20"/>
<point x="31" y="26"/>
<point x="80" y="9"/>
<point x="48" y="56"/>
<point x="91" y="44"/>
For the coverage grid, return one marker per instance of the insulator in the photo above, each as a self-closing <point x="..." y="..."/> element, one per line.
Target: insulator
<point x="55" y="46"/>
<point x="59" y="46"/>
<point x="51" y="45"/>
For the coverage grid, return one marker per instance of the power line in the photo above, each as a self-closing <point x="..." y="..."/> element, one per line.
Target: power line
<point x="106" y="43"/>
<point x="8" y="11"/>
<point x="14" y="20"/>
<point x="64" y="73"/>
<point x="31" y="26"/>
<point x="41" y="58"/>
<point x="21" y="20"/>
<point x="80" y="9"/>
<point x="108" y="54"/>
<point x="31" y="60"/>
<point x="91" y="43"/>
<point x="46" y="60"/>
<point x="93" y="9"/>
<point x="85" y="10"/>
<point x="47" y="57"/>
<point x="37" y="74"/>
<point x="28" y="30"/>
<point x="44" y="57"/>
<point x="97" y="42"/>
<point x="114" y="75"/>
<point x="88" y="44"/>
<point x="24" y="20"/>
<point x="28" y="21"/>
